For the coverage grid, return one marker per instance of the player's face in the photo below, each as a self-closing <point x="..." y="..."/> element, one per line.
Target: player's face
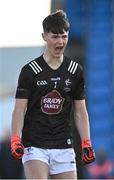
<point x="56" y="43"/>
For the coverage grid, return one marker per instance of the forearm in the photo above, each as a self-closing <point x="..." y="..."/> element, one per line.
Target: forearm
<point x="17" y="148"/>
<point x="82" y="121"/>
<point x="17" y="122"/>
<point x="82" y="124"/>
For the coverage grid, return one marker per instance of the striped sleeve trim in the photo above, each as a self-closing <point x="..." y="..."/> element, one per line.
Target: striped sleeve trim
<point x="72" y="67"/>
<point x="35" y="67"/>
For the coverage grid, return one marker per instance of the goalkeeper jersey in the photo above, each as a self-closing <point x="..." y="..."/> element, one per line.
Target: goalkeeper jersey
<point x="50" y="94"/>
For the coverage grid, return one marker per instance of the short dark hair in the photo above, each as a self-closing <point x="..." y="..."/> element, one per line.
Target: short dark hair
<point x="56" y="22"/>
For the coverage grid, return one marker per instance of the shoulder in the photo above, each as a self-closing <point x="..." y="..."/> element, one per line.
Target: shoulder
<point x="73" y="66"/>
<point x="32" y="66"/>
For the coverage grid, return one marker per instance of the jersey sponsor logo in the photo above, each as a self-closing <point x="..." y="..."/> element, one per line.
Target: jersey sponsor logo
<point x="56" y="79"/>
<point x="35" y="67"/>
<point x="52" y="103"/>
<point x="72" y="67"/>
<point x="41" y="83"/>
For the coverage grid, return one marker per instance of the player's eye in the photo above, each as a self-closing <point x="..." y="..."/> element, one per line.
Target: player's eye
<point x="55" y="36"/>
<point x="64" y="36"/>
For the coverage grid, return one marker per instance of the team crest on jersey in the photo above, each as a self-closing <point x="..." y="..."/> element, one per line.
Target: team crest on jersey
<point x="52" y="103"/>
<point x="68" y="83"/>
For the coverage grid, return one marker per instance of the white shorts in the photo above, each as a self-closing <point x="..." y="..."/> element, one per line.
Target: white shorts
<point x="58" y="160"/>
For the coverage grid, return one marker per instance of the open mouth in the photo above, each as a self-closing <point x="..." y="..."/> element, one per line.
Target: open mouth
<point x="59" y="48"/>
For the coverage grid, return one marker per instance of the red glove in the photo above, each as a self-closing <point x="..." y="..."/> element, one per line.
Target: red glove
<point x="17" y="149"/>
<point x="88" y="154"/>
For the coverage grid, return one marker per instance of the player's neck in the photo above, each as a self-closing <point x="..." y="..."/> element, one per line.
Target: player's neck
<point x="52" y="60"/>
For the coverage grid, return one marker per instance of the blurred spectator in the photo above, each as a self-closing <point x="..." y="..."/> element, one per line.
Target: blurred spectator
<point x="9" y="168"/>
<point x="101" y="169"/>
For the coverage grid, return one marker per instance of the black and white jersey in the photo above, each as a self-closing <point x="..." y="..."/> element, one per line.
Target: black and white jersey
<point x="50" y="94"/>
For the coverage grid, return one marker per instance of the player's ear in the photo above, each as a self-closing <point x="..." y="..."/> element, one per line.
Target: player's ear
<point x="44" y="36"/>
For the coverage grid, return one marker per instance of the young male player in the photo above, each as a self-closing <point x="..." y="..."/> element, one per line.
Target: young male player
<point x="47" y="86"/>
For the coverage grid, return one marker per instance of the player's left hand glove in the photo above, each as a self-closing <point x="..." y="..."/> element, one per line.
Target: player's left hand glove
<point x="17" y="148"/>
<point x="88" y="154"/>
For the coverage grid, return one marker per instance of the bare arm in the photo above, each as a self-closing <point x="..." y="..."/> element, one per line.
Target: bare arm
<point x="81" y="119"/>
<point x="18" y="116"/>
<point x="82" y="124"/>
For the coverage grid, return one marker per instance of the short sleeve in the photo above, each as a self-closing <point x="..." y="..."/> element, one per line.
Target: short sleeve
<point x="23" y="90"/>
<point x="79" y="93"/>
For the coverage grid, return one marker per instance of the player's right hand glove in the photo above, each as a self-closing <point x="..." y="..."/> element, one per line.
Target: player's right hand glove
<point x="17" y="148"/>
<point x="88" y="154"/>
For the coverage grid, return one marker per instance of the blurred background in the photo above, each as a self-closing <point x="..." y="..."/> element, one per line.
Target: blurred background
<point x="90" y="43"/>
